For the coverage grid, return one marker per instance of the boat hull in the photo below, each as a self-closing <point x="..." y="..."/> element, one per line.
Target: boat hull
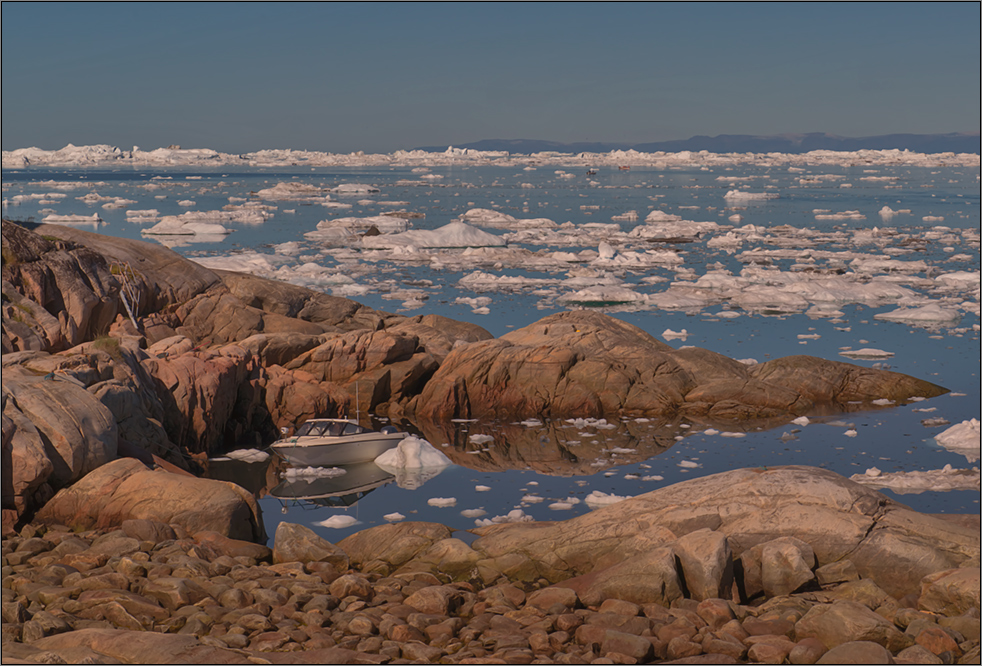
<point x="335" y="451"/>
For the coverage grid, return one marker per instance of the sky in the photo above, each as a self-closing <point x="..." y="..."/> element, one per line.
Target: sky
<point x="379" y="77"/>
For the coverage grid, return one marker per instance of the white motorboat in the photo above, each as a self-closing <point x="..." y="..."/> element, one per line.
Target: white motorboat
<point x="333" y="442"/>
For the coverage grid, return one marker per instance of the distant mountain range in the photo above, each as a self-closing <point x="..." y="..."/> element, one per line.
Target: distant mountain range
<point x="744" y="143"/>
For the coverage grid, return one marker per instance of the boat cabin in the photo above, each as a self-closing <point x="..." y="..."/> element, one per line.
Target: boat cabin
<point x="318" y="428"/>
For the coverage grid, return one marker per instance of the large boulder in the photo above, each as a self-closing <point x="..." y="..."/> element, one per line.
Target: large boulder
<point x="54" y="433"/>
<point x="586" y="364"/>
<point x="888" y="542"/>
<point x="127" y="489"/>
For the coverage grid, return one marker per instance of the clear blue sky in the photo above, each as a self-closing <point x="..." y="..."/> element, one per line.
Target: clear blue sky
<point x="342" y="77"/>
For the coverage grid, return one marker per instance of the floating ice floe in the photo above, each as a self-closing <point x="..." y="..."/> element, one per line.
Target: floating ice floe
<point x="962" y="438"/>
<point x="174" y="225"/>
<point x="387" y="224"/>
<point x="936" y="480"/>
<point x="473" y="513"/>
<point x="598" y="499"/>
<point x="354" y="188"/>
<point x="338" y="521"/>
<point x="927" y="314"/>
<point x="669" y="334"/>
<point x="484" y="217"/>
<point x="741" y="195"/>
<point x="442" y="501"/>
<point x="564" y="505"/>
<point x="92" y="219"/>
<point x="292" y="191"/>
<point x="513" y="516"/>
<point x="866" y="353"/>
<point x="393" y="517"/>
<point x="455" y="234"/>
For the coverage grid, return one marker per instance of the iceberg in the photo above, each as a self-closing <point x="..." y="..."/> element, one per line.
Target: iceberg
<point x="455" y="234"/>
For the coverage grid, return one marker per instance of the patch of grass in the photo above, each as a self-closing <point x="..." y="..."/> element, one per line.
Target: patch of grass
<point x="9" y="258"/>
<point x="109" y="345"/>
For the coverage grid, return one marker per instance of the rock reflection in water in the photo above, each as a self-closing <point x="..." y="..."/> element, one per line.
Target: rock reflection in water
<point x="573" y="447"/>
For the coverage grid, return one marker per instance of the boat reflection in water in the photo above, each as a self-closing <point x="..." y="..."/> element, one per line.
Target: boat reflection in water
<point x="339" y="490"/>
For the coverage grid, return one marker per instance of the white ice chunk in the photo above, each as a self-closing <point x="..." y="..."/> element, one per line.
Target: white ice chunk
<point x="393" y="517"/>
<point x="454" y="234"/>
<point x="338" y="521"/>
<point x="936" y="480"/>
<point x="669" y="334"/>
<point x="513" y="516"/>
<point x="927" y="314"/>
<point x="866" y="353"/>
<point x="248" y="455"/>
<point x="442" y="501"/>
<point x="739" y="195"/>
<point x="598" y="499"/>
<point x="962" y="438"/>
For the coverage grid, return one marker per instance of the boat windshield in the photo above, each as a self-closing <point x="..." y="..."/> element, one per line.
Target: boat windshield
<point x="329" y="429"/>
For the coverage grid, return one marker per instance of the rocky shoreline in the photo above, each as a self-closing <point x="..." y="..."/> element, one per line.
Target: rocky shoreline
<point x="151" y="593"/>
<point x="126" y="366"/>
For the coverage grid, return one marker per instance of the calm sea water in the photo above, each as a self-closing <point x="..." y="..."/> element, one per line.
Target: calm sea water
<point x="632" y="457"/>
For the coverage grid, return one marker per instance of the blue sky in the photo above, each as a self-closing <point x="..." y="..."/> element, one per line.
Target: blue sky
<point x="342" y="77"/>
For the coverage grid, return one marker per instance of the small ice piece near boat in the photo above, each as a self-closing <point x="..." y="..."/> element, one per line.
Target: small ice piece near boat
<point x="801" y="420"/>
<point x="413" y="462"/>
<point x="312" y="472"/>
<point x="442" y="501"/>
<point x="482" y="489"/>
<point x="248" y="455"/>
<point x="598" y="499"/>
<point x="412" y="453"/>
<point x="866" y="353"/>
<point x="339" y="521"/>
<point x="689" y="464"/>
<point x="850" y="433"/>
<point x="669" y="334"/>
<point x="473" y="513"/>
<point x="962" y="438"/>
<point x="533" y="499"/>
<point x="393" y="517"/>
